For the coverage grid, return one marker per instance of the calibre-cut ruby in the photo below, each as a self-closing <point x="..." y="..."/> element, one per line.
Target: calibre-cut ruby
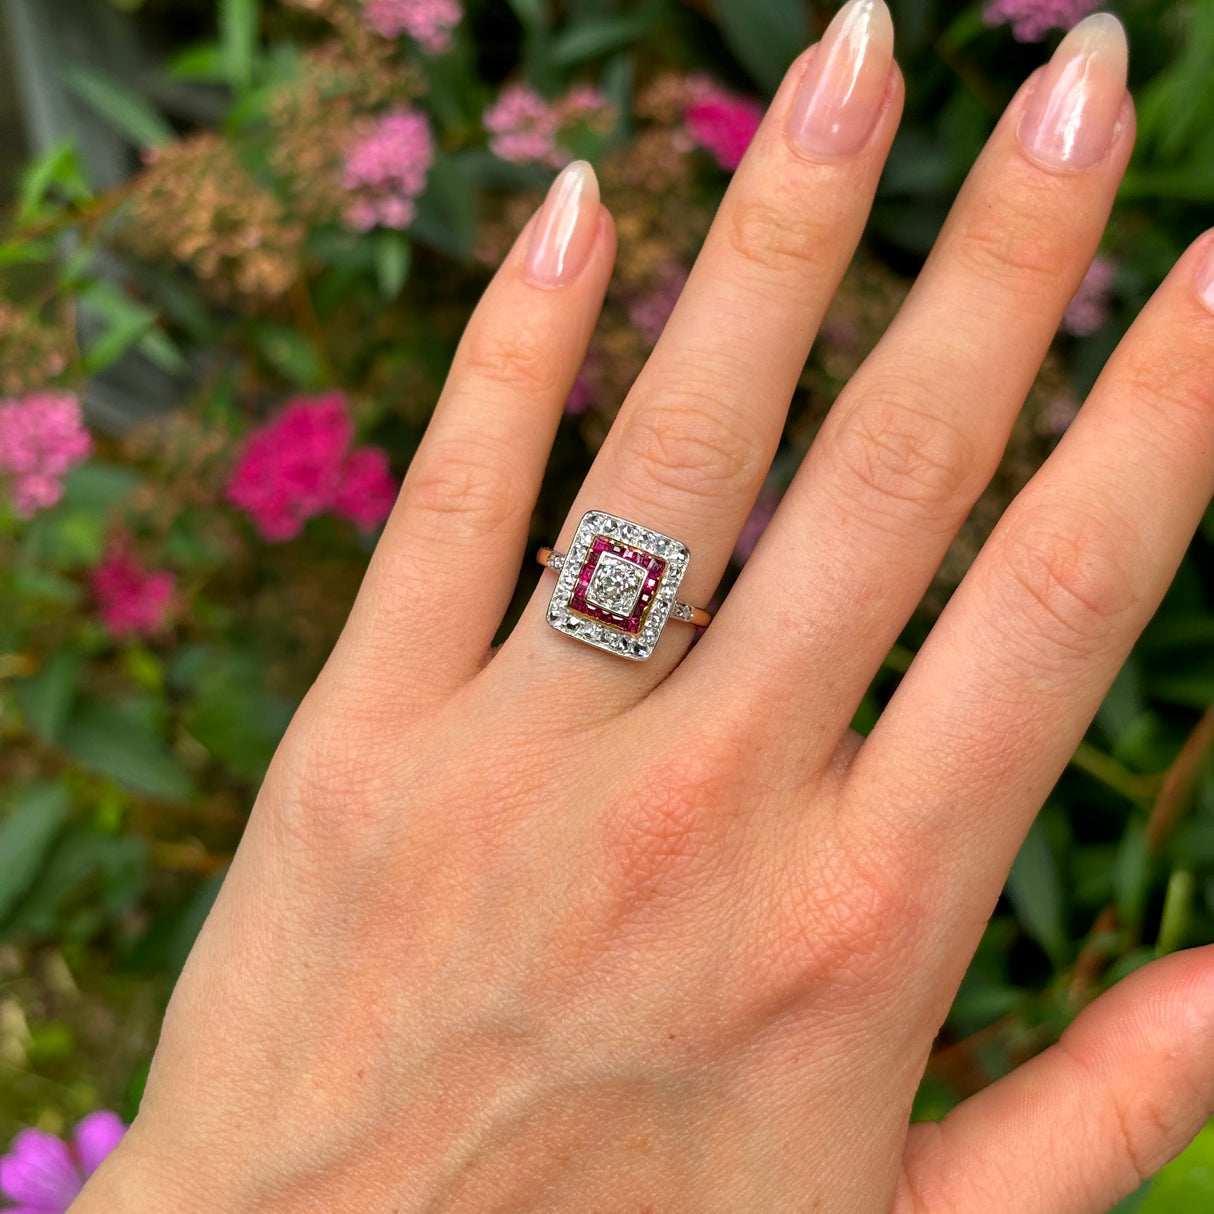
<point x="654" y="565"/>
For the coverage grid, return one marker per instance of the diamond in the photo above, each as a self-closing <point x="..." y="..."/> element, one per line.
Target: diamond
<point x="616" y="584"/>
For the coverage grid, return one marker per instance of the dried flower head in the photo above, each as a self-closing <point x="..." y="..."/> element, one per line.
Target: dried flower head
<point x="198" y="206"/>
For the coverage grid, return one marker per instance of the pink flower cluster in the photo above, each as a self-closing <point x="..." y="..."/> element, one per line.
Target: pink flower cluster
<point x="42" y="437"/>
<point x="723" y="123"/>
<point x="45" y="1174"/>
<point x="133" y="601"/>
<point x="428" y="22"/>
<point x="526" y="129"/>
<point x="387" y="169"/>
<point x="1031" y="20"/>
<point x="299" y="464"/>
<point x="1089" y="307"/>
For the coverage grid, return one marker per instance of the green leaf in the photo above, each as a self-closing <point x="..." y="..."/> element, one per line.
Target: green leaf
<point x="26" y="838"/>
<point x="114" y="743"/>
<point x="97" y="487"/>
<point x="119" y="105"/>
<point x="447" y="212"/>
<point x="1177" y="911"/>
<point x="1132" y="874"/>
<point x="46" y="697"/>
<point x="531" y="12"/>
<point x="290" y="354"/>
<point x="1186" y="1185"/>
<point x="1035" y="891"/>
<point x="239" y="22"/>
<point x="765" y="37"/>
<point x="203" y="64"/>
<point x="600" y="37"/>
<point x="59" y="168"/>
<point x="122" y="321"/>
<point x="393" y="256"/>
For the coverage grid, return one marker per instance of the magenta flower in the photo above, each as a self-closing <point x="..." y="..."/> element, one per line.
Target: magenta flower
<point x="724" y="124"/>
<point x="133" y="601"/>
<point x="44" y="1174"/>
<point x="367" y="489"/>
<point x="42" y="437"/>
<point x="387" y="170"/>
<point x="428" y="22"/>
<point x="1031" y="20"/>
<point x="299" y="465"/>
<point x="1088" y="310"/>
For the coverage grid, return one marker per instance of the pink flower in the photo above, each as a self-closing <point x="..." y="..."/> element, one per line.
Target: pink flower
<point x="428" y="22"/>
<point x="299" y="465"/>
<point x="581" y="396"/>
<point x="291" y="467"/>
<point x="724" y="123"/>
<point x="42" y="437"/>
<point x="1032" y="19"/>
<point x="45" y="1174"/>
<point x="387" y="170"/>
<point x="650" y="311"/>
<point x="524" y="128"/>
<point x="367" y="490"/>
<point x="133" y="601"/>
<point x="1089" y="307"/>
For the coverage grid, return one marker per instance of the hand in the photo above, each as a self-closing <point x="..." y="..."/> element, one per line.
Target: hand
<point x="550" y="930"/>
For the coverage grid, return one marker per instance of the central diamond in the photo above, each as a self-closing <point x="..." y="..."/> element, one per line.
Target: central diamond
<point x="616" y="584"/>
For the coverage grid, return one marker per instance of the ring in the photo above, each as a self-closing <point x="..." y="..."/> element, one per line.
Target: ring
<point x="617" y="585"/>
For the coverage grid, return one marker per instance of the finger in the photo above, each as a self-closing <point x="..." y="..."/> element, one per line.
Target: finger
<point x="694" y="439"/>
<point x="1081" y="1125"/>
<point x="1005" y="686"/>
<point x="446" y="566"/>
<point x="918" y="432"/>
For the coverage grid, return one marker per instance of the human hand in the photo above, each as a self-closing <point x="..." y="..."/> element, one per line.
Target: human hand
<point x="548" y="930"/>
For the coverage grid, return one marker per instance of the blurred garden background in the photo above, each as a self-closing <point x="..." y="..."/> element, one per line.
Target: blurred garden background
<point x="238" y="242"/>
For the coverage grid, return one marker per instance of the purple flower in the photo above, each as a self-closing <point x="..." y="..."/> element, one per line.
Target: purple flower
<point x="524" y="128"/>
<point x="1089" y="307"/>
<point x="45" y="1174"/>
<point x="755" y="525"/>
<point x="1031" y="20"/>
<point x="650" y="310"/>
<point x="42" y="437"/>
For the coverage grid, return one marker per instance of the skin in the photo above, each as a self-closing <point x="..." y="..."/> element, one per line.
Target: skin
<point x="541" y="929"/>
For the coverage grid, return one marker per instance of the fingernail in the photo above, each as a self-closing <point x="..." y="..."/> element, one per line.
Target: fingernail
<point x="1072" y="114"/>
<point x="564" y="228"/>
<point x="1205" y="279"/>
<point x="837" y="104"/>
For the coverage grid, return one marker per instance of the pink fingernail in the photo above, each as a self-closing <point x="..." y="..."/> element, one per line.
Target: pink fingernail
<point x="1205" y="279"/>
<point x="1072" y="115"/>
<point x="840" y="97"/>
<point x="564" y="228"/>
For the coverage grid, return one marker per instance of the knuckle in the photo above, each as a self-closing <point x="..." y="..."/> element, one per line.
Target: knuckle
<point x="901" y="454"/>
<point x="775" y="236"/>
<point x="466" y="484"/>
<point x="1015" y="241"/>
<point x="1068" y="574"/>
<point x="849" y="919"/>
<point x="690" y="444"/>
<point x="518" y="357"/>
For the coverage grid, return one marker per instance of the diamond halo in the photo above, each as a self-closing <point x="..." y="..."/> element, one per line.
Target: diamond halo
<point x="617" y="585"/>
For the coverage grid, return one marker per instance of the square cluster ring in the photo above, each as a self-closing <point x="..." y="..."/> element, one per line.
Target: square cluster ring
<point x="617" y="585"/>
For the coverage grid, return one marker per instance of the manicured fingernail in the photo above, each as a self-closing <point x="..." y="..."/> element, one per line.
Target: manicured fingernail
<point x="564" y="228"/>
<point x="1071" y="117"/>
<point x="840" y="97"/>
<point x="1205" y="279"/>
